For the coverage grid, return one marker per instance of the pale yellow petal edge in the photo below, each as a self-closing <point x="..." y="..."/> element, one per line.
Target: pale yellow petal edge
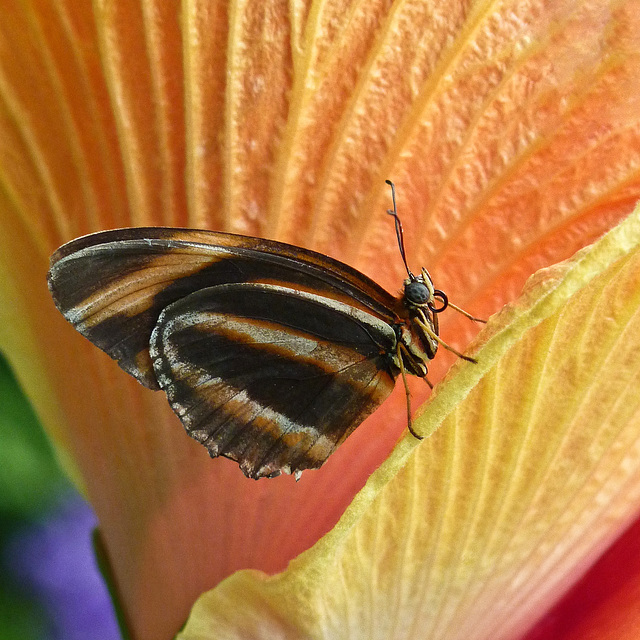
<point x="288" y="605"/>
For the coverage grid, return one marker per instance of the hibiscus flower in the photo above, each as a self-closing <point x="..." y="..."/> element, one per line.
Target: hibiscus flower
<point x="511" y="131"/>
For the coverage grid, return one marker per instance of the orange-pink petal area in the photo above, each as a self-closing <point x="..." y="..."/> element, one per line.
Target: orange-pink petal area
<point x="510" y="129"/>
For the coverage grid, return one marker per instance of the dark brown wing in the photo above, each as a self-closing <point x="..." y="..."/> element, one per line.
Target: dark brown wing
<point x="113" y="285"/>
<point x="271" y="377"/>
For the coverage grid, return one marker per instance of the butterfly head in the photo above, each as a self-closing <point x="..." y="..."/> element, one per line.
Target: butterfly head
<point x="420" y="292"/>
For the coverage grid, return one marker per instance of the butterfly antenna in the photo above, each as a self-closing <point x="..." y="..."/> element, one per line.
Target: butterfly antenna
<point x="399" y="232"/>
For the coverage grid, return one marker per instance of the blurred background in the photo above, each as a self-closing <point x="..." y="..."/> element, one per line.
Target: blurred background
<point x="50" y="585"/>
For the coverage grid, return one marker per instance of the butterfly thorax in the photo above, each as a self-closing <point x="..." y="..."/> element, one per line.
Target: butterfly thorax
<point x="420" y="320"/>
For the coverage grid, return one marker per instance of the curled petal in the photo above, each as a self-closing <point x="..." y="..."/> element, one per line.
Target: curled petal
<point x="531" y="471"/>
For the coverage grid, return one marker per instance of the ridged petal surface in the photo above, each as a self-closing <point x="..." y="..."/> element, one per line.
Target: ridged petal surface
<point x="510" y="128"/>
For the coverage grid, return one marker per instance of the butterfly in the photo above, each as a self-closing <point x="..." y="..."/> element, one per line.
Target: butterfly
<point x="270" y="354"/>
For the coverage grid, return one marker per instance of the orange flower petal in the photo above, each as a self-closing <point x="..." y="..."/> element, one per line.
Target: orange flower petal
<point x="511" y="131"/>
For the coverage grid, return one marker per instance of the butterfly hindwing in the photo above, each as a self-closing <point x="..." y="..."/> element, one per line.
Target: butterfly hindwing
<point x="269" y="376"/>
<point x="113" y="285"/>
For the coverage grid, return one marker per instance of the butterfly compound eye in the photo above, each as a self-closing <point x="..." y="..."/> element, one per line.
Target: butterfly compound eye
<point x="417" y="293"/>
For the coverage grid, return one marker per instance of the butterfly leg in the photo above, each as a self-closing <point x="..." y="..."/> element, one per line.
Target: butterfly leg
<point x="399" y="348"/>
<point x="432" y="334"/>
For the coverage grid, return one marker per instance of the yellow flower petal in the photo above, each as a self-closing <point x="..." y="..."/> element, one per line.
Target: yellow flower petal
<point x="531" y="474"/>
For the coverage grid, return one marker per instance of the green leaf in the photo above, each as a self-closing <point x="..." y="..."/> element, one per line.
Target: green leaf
<point x="29" y="475"/>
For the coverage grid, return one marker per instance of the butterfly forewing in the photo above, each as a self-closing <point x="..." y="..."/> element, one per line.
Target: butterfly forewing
<point x="271" y="377"/>
<point x="112" y="286"/>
